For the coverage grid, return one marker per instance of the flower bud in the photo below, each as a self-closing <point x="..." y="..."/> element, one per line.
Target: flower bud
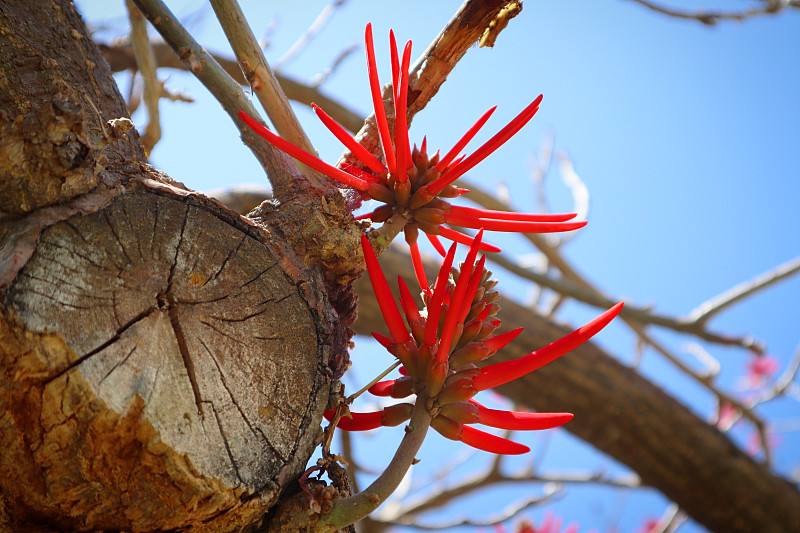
<point x="394" y="415"/>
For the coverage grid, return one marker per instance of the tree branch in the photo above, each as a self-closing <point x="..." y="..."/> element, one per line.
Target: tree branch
<point x="711" y="17"/>
<point x="262" y="81"/>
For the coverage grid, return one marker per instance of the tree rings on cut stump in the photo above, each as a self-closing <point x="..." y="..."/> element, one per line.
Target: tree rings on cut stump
<point x="162" y="364"/>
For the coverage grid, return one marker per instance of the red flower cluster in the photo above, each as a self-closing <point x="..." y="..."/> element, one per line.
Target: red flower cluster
<point x="440" y="346"/>
<point x="412" y="183"/>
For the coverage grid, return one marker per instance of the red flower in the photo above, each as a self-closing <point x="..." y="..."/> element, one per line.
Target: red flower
<point x="439" y="347"/>
<point x="760" y="369"/>
<point x="411" y="182"/>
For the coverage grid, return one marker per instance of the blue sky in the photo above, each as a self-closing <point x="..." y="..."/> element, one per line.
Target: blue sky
<point x="688" y="138"/>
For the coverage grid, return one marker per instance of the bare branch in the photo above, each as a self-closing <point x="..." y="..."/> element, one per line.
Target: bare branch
<point x="706" y="310"/>
<point x="549" y="493"/>
<point x="145" y="62"/>
<point x="320" y="78"/>
<point x="309" y="34"/>
<point x="120" y="57"/>
<point x="227" y="92"/>
<point x="711" y="17"/>
<point x="262" y="81"/>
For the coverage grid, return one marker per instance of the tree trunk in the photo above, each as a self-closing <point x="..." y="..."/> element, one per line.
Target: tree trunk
<point x="165" y="361"/>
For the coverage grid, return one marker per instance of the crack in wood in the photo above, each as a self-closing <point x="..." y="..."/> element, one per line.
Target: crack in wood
<point x="225" y="442"/>
<point x="254" y="430"/>
<point x="231" y="253"/>
<point x="118" y="364"/>
<point x="114" y="338"/>
<point x="188" y="363"/>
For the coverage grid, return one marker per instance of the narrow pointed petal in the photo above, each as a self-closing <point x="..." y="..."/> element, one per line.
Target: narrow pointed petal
<point x="395" y="60"/>
<point x="519" y="226"/>
<point x="384" y="295"/>
<point x="462" y="142"/>
<point x="419" y="269"/>
<point x="498" y="342"/>
<point x="469" y="295"/>
<point x="458" y="296"/>
<point x="510" y="215"/>
<point x="407" y="301"/>
<point x="382" y="388"/>
<point x="436" y="244"/>
<point x="302" y="156"/>
<point x="401" y="142"/>
<point x="377" y="100"/>
<point x="346" y="139"/>
<point x="501" y="373"/>
<point x="359" y="422"/>
<point x="521" y="421"/>
<point x="461" y="238"/>
<point x="385" y="341"/>
<point x="491" y="443"/>
<point x="488" y="147"/>
<point x="439" y="291"/>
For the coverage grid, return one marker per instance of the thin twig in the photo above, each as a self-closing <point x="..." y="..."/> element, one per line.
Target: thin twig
<point x="309" y="34"/>
<point x="708" y="309"/>
<point x="707" y="382"/>
<point x="783" y="383"/>
<point x="709" y="17"/>
<point x="146" y="65"/>
<point x="320" y="78"/>
<point x="120" y="57"/>
<point x="227" y="92"/>
<point x="491" y="476"/>
<point x="576" y="286"/>
<point x="549" y="493"/>
<point x="262" y="81"/>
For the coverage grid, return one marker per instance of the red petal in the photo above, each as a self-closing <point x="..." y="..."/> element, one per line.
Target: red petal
<point x="461" y="238"/>
<point x="448" y="329"/>
<point x="436" y="244"/>
<point x="439" y="290"/>
<point x="377" y="100"/>
<point x="401" y="142"/>
<point x="302" y="156"/>
<point x="359" y="422"/>
<point x="385" y="341"/>
<point x="501" y="373"/>
<point x="521" y="421"/>
<point x="419" y="269"/>
<point x="407" y="301"/>
<point x="491" y="443"/>
<point x="500" y="341"/>
<point x="382" y="388"/>
<point x="472" y="288"/>
<point x="520" y="226"/>
<point x="345" y="138"/>
<point x="384" y="295"/>
<point x="510" y="215"/>
<point x="467" y="137"/>
<point x="488" y="147"/>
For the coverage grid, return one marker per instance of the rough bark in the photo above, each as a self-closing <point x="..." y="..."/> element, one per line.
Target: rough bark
<point x="632" y="420"/>
<point x="165" y="361"/>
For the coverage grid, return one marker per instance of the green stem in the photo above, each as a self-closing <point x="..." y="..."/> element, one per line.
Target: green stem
<point x="349" y="510"/>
